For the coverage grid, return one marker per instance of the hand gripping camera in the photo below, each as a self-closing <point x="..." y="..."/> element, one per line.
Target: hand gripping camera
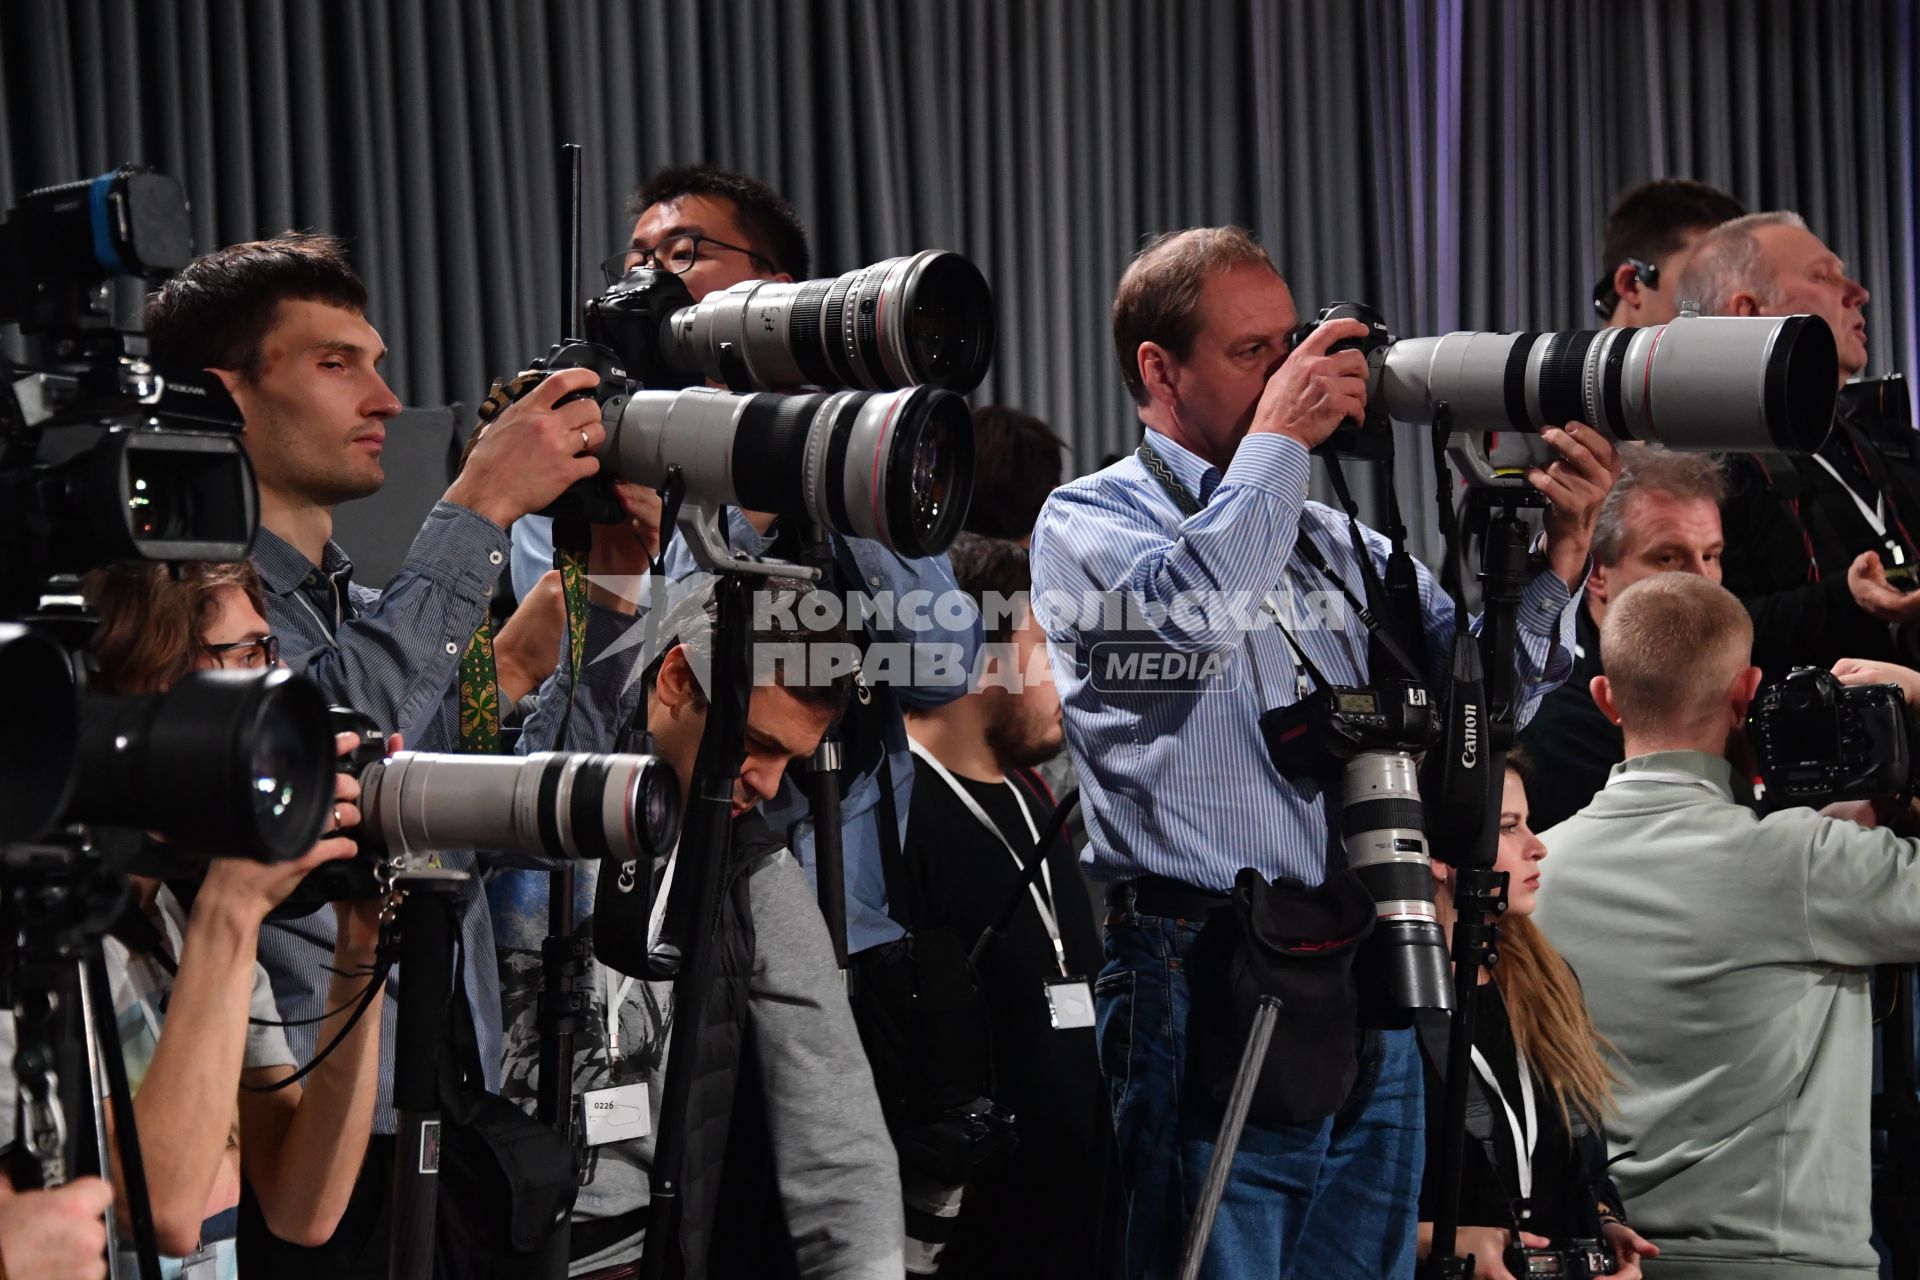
<point x="1819" y="741"/>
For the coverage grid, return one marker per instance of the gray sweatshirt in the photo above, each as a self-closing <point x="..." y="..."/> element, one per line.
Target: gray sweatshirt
<point x="838" y="1177"/>
<point x="1725" y="956"/>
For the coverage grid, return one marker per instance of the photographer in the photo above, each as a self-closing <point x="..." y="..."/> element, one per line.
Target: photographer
<point x="1179" y="789"/>
<point x="1662" y="516"/>
<point x="1725" y="957"/>
<point x="979" y="811"/>
<point x="186" y="981"/>
<point x="282" y="323"/>
<point x="1820" y="549"/>
<point x="1532" y="1034"/>
<point x="1650" y="232"/>
<point x="777" y="1019"/>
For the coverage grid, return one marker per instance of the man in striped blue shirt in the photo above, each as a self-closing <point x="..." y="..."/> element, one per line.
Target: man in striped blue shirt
<point x="1161" y="637"/>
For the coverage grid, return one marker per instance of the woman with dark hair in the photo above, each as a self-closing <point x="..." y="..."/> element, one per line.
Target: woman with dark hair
<point x="186" y="981"/>
<point x="1533" y="1172"/>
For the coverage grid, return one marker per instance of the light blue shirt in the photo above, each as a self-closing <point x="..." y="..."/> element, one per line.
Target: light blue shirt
<point x="1163" y="707"/>
<point x="532" y="552"/>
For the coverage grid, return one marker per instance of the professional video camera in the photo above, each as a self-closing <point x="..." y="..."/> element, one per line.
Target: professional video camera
<point x="890" y="458"/>
<point x="1819" y="741"/>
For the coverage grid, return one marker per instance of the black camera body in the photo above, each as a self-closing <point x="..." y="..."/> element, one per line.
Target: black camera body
<point x="1574" y="1260"/>
<point x="1330" y="726"/>
<point x="1371" y="439"/>
<point x="1819" y="741"/>
<point x="353" y="877"/>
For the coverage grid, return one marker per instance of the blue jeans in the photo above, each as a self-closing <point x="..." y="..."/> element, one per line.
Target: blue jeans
<point x="1334" y="1199"/>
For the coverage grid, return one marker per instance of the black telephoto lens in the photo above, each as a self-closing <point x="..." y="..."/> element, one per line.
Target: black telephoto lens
<point x="37" y="737"/>
<point x="232" y="763"/>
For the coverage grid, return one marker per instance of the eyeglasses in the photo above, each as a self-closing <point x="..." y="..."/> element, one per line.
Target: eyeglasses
<point x="675" y="254"/>
<point x="256" y="654"/>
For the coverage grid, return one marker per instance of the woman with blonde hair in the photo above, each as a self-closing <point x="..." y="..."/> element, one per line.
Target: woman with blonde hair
<point x="1534" y="1168"/>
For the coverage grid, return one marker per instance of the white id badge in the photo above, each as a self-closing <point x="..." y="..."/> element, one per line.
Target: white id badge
<point x="1070" y="1001"/>
<point x="202" y="1264"/>
<point x="614" y="1115"/>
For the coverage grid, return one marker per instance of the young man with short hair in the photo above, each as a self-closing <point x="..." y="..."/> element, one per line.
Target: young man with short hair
<point x="1649" y="232"/>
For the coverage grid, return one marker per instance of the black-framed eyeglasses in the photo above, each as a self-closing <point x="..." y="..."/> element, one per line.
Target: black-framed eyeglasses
<point x="1605" y="299"/>
<point x="256" y="654"/>
<point x="675" y="254"/>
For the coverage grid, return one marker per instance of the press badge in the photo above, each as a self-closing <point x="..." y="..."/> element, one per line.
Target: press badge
<point x="1070" y="1002"/>
<point x="616" y="1114"/>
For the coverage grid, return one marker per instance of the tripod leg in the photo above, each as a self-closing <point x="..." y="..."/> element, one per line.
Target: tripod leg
<point x="1259" y="1036"/>
<point x="103" y="1052"/>
<point x="426" y="987"/>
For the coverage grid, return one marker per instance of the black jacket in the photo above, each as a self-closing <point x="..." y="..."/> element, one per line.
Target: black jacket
<point x="1573" y="746"/>
<point x="1792" y="530"/>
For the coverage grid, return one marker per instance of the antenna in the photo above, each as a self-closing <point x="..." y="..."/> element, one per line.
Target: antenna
<point x="570" y="259"/>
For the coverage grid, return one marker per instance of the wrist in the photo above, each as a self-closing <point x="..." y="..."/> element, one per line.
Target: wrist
<point x="514" y="679"/>
<point x="475" y="499"/>
<point x="226" y="914"/>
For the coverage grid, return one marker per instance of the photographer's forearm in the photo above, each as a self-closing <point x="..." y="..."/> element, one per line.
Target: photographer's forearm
<point x="302" y="1149"/>
<point x="185" y="1102"/>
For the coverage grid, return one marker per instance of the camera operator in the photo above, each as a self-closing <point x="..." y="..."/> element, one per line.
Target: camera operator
<point x="1724" y="956"/>
<point x="1179" y="788"/>
<point x="1820" y="548"/>
<point x="60" y="1234"/>
<point x="1542" y="1185"/>
<point x="185" y="979"/>
<point x="1650" y="232"/>
<point x="777" y="1020"/>
<point x="1662" y="516"/>
<point x="979" y="811"/>
<point x="282" y="323"/>
<point x="716" y="229"/>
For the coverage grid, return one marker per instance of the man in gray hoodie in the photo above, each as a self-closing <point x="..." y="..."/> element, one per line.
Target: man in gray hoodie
<point x="1725" y="956"/>
<point x="792" y="1049"/>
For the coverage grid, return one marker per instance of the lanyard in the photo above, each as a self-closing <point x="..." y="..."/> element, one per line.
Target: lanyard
<point x="1525" y="1138"/>
<point x="615" y="996"/>
<point x="1875" y="515"/>
<point x="1048" y="920"/>
<point x="1662" y="775"/>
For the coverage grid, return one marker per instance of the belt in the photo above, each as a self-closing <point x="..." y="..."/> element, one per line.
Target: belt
<point x="1161" y="896"/>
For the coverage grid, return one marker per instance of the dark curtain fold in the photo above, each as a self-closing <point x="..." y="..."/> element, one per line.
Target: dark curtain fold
<point x="1449" y="161"/>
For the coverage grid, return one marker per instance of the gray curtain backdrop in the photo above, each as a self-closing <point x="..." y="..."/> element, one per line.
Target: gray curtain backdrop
<point x="1449" y="161"/>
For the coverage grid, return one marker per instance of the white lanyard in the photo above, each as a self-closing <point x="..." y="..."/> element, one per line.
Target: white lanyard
<point x="1662" y="775"/>
<point x="1047" y="918"/>
<point x="1523" y="1138"/>
<point x="615" y="995"/>
<point x="1875" y="515"/>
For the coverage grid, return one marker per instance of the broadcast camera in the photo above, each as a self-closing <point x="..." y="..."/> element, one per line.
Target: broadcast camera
<point x="1819" y="741"/>
<point x="890" y="458"/>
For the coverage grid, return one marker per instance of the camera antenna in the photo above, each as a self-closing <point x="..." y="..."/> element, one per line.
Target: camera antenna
<point x="570" y="153"/>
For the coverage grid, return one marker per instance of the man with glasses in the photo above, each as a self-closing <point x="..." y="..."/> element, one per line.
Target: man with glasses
<point x="712" y="229"/>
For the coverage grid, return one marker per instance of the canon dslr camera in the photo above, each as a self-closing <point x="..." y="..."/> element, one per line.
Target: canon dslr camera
<point x="1575" y="1260"/>
<point x="1819" y="741"/>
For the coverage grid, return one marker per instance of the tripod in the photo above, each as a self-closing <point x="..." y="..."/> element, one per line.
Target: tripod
<point x="55" y="905"/>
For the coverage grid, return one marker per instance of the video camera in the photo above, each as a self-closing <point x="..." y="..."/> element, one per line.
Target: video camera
<point x="1819" y="741"/>
<point x="889" y="458"/>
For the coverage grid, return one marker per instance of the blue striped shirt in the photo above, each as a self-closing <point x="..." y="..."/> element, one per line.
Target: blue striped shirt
<point x="1165" y="658"/>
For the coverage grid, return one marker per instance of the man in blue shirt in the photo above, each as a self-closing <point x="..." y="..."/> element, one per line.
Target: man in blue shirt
<point x="1177" y="784"/>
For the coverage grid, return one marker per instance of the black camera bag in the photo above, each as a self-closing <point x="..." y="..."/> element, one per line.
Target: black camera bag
<point x="1281" y="938"/>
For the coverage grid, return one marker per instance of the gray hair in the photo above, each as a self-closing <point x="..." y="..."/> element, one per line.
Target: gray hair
<point x="1726" y="261"/>
<point x="1651" y="469"/>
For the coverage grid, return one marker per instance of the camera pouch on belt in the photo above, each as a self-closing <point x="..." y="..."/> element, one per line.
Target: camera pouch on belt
<point x="1286" y="940"/>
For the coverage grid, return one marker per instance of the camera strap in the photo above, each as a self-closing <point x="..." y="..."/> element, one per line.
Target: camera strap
<point x="1049" y="920"/>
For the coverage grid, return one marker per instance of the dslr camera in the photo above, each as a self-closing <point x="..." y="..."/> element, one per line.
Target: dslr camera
<point x="1574" y="1260"/>
<point x="1819" y="741"/>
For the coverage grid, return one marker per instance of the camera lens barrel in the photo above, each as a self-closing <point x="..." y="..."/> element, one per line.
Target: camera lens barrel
<point x="224" y="762"/>
<point x="1752" y="384"/>
<point x="1383" y="827"/>
<point x="895" y="467"/>
<point x="38" y="739"/>
<point x="574" y="805"/>
<point x="922" y="319"/>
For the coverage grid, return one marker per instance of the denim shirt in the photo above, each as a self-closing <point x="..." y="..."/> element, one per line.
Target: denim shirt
<point x="395" y="655"/>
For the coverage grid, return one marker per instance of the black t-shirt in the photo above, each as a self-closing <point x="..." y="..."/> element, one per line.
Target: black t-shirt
<point x="1488" y="1191"/>
<point x="1042" y="1216"/>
